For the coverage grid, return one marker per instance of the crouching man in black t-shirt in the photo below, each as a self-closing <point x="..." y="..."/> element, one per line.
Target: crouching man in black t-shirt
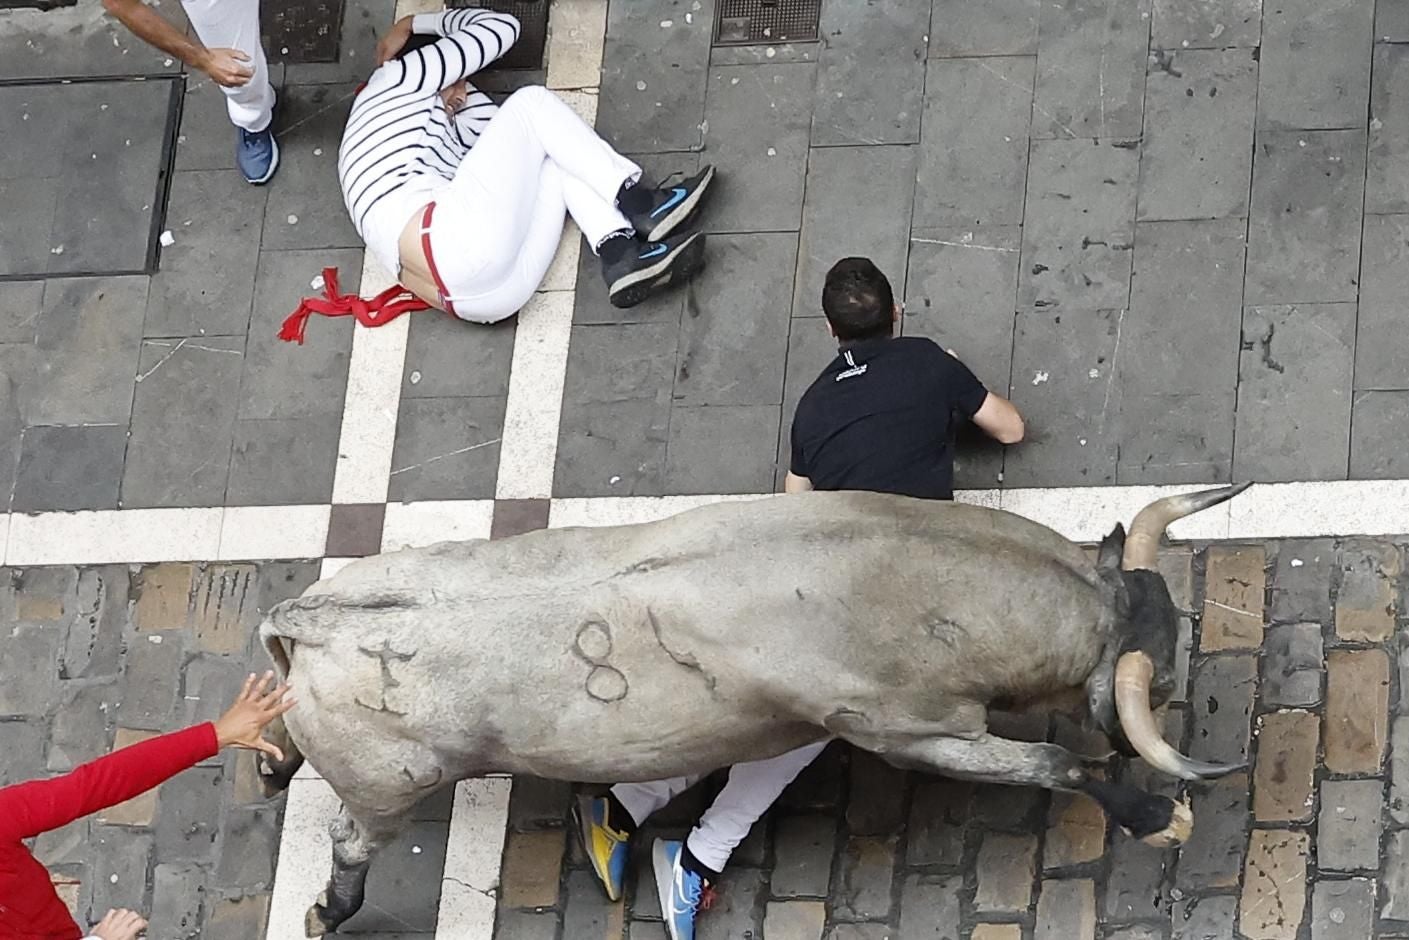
<point x="878" y="418"/>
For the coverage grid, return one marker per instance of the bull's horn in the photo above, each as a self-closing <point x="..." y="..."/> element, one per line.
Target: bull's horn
<point x="1133" y="672"/>
<point x="1142" y="544"/>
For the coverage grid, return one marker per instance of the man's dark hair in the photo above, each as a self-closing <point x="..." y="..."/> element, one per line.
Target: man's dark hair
<point x="857" y="300"/>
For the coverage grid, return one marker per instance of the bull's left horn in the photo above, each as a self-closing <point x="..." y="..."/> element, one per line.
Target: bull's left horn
<point x="1142" y="544"/>
<point x="1133" y="672"/>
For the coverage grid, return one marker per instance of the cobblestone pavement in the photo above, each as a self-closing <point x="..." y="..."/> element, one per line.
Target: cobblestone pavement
<point x="1294" y="665"/>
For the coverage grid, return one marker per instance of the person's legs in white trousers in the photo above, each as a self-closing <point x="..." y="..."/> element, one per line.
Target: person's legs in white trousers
<point x="234" y="24"/>
<point x="752" y="788"/>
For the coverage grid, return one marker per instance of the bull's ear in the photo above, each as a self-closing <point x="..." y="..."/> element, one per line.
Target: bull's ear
<point x="1112" y="547"/>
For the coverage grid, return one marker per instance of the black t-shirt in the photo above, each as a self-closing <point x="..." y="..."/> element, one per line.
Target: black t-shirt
<point x="880" y="418"/>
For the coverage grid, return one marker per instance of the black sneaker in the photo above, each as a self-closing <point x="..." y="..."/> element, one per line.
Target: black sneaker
<point x="672" y="206"/>
<point x="652" y="265"/>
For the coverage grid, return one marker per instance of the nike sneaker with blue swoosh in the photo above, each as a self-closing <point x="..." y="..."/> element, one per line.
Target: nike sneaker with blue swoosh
<point x="672" y="206"/>
<point x="651" y="266"/>
<point x="607" y="846"/>
<point x="682" y="892"/>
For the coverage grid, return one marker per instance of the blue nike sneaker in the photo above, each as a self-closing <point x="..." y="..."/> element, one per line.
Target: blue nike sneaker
<point x="607" y="847"/>
<point x="650" y="266"/>
<point x="672" y="206"/>
<point x="683" y="894"/>
<point x="257" y="154"/>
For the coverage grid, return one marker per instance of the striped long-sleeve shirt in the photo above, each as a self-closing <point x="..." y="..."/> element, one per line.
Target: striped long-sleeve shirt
<point x="400" y="144"/>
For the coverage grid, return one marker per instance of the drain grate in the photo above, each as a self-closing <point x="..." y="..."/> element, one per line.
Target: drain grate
<point x="766" y="22"/>
<point x="300" y="32"/>
<point x="533" y="34"/>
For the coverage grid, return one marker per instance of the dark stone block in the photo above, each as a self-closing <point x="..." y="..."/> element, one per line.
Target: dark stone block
<point x="1222" y="703"/>
<point x="22" y="743"/>
<point x="1301" y="585"/>
<point x="535" y="803"/>
<point x="355" y="529"/>
<point x="403" y="891"/>
<point x="188" y="816"/>
<point x="930" y="907"/>
<point x="248" y="847"/>
<point x="89" y="338"/>
<point x="70" y="468"/>
<point x="283" y="462"/>
<point x="876" y="802"/>
<point x="938" y="811"/>
<point x="1091" y="57"/>
<point x="449" y="358"/>
<point x="1136" y="887"/>
<point x="651" y="96"/>
<point x="1213" y="856"/>
<point x="1292" y="664"/>
<point x="865" y="875"/>
<point x="82" y="730"/>
<point x="871" y="73"/>
<point x="122" y="858"/>
<point x="1329" y="90"/>
<point x="447" y="448"/>
<point x="803" y="864"/>
<point x="726" y="449"/>
<point x="1376" y="427"/>
<point x="310" y="123"/>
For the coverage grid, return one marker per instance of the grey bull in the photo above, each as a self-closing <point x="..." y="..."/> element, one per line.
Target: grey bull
<point x="728" y="633"/>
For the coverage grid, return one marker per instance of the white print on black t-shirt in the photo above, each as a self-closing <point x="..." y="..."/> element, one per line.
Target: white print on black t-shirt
<point x="854" y="371"/>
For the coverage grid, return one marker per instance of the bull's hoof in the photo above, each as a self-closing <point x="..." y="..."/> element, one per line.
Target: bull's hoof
<point x="275" y="777"/>
<point x="1176" y="831"/>
<point x="313" y="923"/>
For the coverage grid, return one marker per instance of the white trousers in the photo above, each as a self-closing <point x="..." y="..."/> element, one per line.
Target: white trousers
<point x="751" y="789"/>
<point x="497" y="224"/>
<point x="234" y="24"/>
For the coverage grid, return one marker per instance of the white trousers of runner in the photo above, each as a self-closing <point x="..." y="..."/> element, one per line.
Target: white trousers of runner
<point x="751" y="789"/>
<point x="498" y="223"/>
<point x="234" y="24"/>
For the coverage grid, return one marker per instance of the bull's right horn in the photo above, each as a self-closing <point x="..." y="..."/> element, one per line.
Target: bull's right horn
<point x="1142" y="544"/>
<point x="1133" y="672"/>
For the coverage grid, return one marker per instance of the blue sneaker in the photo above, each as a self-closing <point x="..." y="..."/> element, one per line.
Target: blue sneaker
<point x="606" y="846"/>
<point x="682" y="893"/>
<point x="257" y="154"/>
<point x="650" y="266"/>
<point x="673" y="206"/>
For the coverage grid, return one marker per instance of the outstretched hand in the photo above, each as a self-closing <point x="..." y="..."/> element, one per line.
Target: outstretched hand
<point x="120" y="924"/>
<point x="393" y="42"/>
<point x="253" y="709"/>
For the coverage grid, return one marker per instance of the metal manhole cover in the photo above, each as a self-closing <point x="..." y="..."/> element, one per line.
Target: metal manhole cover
<point x="532" y="15"/>
<point x="300" y="32"/>
<point x="765" y="22"/>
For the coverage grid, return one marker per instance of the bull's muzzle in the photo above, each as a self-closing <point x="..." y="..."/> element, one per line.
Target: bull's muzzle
<point x="1133" y="673"/>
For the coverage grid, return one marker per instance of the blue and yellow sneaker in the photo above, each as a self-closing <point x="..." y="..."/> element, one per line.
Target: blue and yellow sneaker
<point x="683" y="893"/>
<point x="606" y="845"/>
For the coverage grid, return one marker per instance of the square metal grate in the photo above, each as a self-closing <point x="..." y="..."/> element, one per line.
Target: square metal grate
<point x="533" y="34"/>
<point x="766" y="22"/>
<point x="301" y="31"/>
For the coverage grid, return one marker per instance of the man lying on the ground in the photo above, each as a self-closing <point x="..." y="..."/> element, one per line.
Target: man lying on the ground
<point x="880" y="418"/>
<point x="230" y="54"/>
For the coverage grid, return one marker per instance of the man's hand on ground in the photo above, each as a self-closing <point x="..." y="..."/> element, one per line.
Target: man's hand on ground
<point x="254" y="708"/>
<point x="226" y="67"/>
<point x="394" y="41"/>
<point x="120" y="924"/>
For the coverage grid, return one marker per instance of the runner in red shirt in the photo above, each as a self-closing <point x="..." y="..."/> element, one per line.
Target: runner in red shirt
<point x="30" y="909"/>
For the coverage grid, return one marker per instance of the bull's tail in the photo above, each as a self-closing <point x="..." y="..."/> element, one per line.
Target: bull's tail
<point x="275" y="775"/>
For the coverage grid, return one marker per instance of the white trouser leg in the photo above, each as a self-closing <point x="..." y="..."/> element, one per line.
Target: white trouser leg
<point x="751" y="789"/>
<point x="234" y="24"/>
<point x="642" y="799"/>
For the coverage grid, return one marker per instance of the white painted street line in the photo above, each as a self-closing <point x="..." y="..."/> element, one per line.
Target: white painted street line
<point x="417" y="524"/>
<point x="530" y="446"/>
<point x="263" y="532"/>
<point x="626" y="510"/>
<point x="114" y="536"/>
<point x="305" y="856"/>
<point x="479" y="821"/>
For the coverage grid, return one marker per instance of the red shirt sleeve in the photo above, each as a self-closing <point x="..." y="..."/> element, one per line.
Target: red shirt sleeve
<point x="27" y="809"/>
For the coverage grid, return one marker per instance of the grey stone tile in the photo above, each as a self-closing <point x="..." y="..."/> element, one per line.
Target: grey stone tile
<point x="1343" y="908"/>
<point x="930" y="904"/>
<point x="89" y="335"/>
<point x="804" y="856"/>
<point x="363" y="23"/>
<point x="206" y="139"/>
<point x="34" y="123"/>
<point x="1072" y="417"/>
<point x="447" y="448"/>
<point x="32" y="687"/>
<point x="286" y="380"/>
<point x="726" y="359"/>
<point x="1381" y="345"/>
<point x="311" y="119"/>
<point x="1378" y="428"/>
<point x="858" y="203"/>
<point x="1387" y="170"/>
<point x="1325" y="90"/>
<point x="20" y="303"/>
<point x="183" y="422"/>
<point x="1294" y="393"/>
<point x="973" y="147"/>
<point x="403" y="892"/>
<point x="960" y="292"/>
<point x="1091" y="68"/>
<point x="651" y="98"/>
<point x="112" y="167"/>
<point x="728" y="449"/>
<point x="121" y="859"/>
<point x="1184" y="437"/>
<point x="1206" y="24"/>
<point x="283" y="462"/>
<point x="1196" y="157"/>
<point x="871" y="73"/>
<point x="1204" y="918"/>
<point x="188" y="816"/>
<point x="1080" y="225"/>
<point x="1181" y="333"/>
<point x="616" y="410"/>
<point x="1392" y="21"/>
<point x="757" y="122"/>
<point x="1348" y="827"/>
<point x="1291" y="664"/>
<point x="780" y="54"/>
<point x="1304" y="229"/>
<point x="25" y="248"/>
<point x="70" y="468"/>
<point x="81" y="40"/>
<point x="447" y="357"/>
<point x="206" y="282"/>
<point x="18" y="363"/>
<point x="959" y="28"/>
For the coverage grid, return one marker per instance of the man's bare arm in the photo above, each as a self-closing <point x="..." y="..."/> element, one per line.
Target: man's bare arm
<point x="793" y="483"/>
<point x="1000" y="420"/>
<point x="224" y="66"/>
